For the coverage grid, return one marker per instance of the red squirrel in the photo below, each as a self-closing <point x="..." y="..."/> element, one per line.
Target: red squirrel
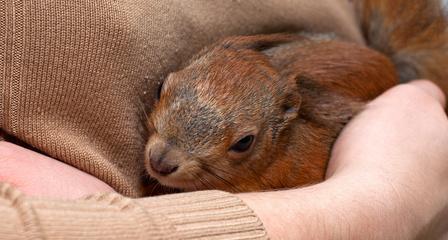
<point x="252" y="113"/>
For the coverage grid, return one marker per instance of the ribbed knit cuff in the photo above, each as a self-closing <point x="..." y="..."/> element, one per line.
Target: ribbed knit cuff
<point x="207" y="215"/>
<point x="199" y="215"/>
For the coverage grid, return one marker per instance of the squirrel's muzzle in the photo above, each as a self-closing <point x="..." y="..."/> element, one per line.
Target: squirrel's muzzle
<point x="161" y="159"/>
<point x="161" y="165"/>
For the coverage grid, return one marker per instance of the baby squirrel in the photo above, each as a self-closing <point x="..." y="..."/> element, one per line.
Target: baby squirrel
<point x="261" y="112"/>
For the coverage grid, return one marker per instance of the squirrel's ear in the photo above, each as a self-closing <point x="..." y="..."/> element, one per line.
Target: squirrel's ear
<point x="259" y="42"/>
<point x="292" y="100"/>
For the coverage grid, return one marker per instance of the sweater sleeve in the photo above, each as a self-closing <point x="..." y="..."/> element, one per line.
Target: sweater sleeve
<point x="199" y="215"/>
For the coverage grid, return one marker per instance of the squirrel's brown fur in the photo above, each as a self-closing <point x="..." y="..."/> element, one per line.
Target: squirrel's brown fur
<point x="292" y="92"/>
<point x="414" y="33"/>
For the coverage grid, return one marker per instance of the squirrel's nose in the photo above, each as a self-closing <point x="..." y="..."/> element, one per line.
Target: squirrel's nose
<point x="161" y="165"/>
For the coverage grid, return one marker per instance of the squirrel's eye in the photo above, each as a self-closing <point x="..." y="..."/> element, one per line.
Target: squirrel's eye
<point x="243" y="144"/>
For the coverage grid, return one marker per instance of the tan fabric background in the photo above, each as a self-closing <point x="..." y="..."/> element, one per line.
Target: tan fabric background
<point x="75" y="75"/>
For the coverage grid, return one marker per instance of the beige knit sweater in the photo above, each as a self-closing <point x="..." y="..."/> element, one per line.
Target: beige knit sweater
<point x="76" y="78"/>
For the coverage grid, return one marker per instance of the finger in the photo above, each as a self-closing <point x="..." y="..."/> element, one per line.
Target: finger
<point x="431" y="89"/>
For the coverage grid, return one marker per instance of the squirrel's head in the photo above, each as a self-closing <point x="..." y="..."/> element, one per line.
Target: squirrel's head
<point x="217" y="121"/>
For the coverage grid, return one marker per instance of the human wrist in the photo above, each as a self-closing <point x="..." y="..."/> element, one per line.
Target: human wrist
<point x="270" y="209"/>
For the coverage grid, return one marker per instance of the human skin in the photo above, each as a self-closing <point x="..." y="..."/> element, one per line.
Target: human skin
<point x="34" y="174"/>
<point x="387" y="178"/>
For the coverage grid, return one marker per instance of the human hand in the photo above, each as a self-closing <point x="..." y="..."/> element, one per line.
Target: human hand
<point x="41" y="176"/>
<point x="387" y="177"/>
<point x="399" y="147"/>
